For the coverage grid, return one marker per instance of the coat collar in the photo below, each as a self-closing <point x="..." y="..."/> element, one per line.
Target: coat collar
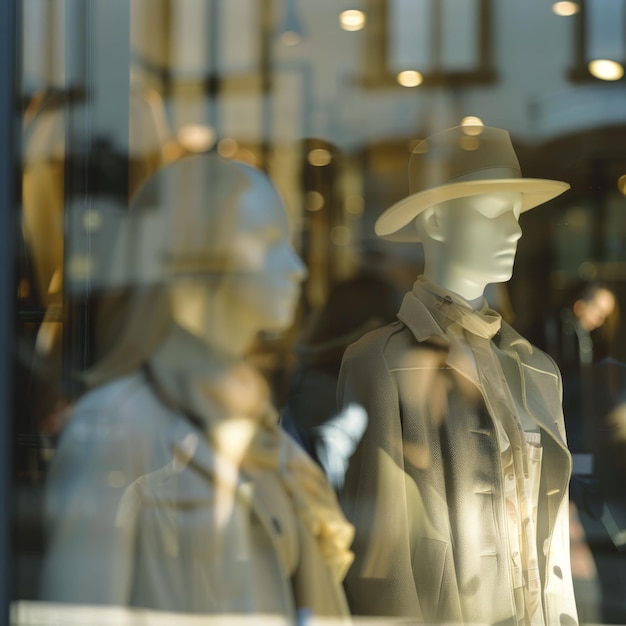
<point x="415" y="315"/>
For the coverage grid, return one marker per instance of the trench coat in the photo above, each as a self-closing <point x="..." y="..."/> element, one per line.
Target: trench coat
<point x="132" y="521"/>
<point x="424" y="488"/>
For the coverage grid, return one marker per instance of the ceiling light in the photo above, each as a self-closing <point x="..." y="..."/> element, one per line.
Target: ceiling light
<point x="409" y="78"/>
<point x="352" y="20"/>
<point x="314" y="200"/>
<point x="565" y="8"/>
<point x="196" y="137"/>
<point x="319" y="157"/>
<point x="291" y="29"/>
<point x="605" y="69"/>
<point x="472" y="120"/>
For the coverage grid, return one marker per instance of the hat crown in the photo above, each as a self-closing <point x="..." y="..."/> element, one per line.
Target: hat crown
<point x="460" y="154"/>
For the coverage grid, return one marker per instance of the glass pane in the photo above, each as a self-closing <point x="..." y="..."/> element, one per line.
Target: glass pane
<point x="288" y="325"/>
<point x="606" y="22"/>
<point x="411" y="43"/>
<point x="459" y="46"/>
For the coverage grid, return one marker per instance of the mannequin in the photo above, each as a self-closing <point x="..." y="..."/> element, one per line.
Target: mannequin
<point x="458" y="489"/>
<point x="470" y="242"/>
<point x="172" y="487"/>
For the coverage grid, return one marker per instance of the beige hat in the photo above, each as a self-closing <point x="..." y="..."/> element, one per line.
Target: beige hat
<point x="456" y="163"/>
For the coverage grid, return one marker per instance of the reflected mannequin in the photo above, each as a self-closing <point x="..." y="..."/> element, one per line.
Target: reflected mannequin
<point x="172" y="487"/>
<point x="264" y="289"/>
<point x="458" y="489"/>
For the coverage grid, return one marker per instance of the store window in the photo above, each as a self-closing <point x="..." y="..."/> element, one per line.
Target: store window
<point x="219" y="366"/>
<point x="429" y="42"/>
<point x="600" y="53"/>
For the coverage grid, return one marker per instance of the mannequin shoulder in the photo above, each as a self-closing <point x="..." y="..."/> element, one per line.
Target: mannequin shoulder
<point x="128" y="401"/>
<point x="394" y="344"/>
<point x="374" y="342"/>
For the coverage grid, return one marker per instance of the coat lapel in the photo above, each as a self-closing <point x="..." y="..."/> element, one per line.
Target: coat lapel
<point x="539" y="387"/>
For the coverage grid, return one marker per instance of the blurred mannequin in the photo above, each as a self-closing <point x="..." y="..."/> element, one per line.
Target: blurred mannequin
<point x="173" y="487"/>
<point x="458" y="489"/>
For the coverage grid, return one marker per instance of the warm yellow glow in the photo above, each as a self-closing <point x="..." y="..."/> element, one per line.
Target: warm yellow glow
<point x="470" y="122"/>
<point x="352" y="20"/>
<point x="605" y="69"/>
<point x="355" y="204"/>
<point x="314" y="200"/>
<point x="196" y="137"/>
<point x="92" y="220"/>
<point x="56" y="282"/>
<point x="410" y="78"/>
<point x="319" y="157"/>
<point x="247" y="156"/>
<point x="23" y="290"/>
<point x="621" y="184"/>
<point x="469" y="143"/>
<point x="290" y="38"/>
<point x="171" y="151"/>
<point x="565" y="8"/>
<point x="227" y="147"/>
<point x="340" y="235"/>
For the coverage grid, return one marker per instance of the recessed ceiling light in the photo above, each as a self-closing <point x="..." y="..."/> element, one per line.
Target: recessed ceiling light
<point x="410" y="78"/>
<point x="565" y="8"/>
<point x="605" y="69"/>
<point x="352" y="20"/>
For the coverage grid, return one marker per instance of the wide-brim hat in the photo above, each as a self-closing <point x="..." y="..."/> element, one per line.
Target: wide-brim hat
<point x="456" y="163"/>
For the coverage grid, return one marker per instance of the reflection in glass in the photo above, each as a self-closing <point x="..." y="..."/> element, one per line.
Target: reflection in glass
<point x="172" y="487"/>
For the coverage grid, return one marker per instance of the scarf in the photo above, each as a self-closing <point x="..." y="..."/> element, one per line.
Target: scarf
<point x="229" y="401"/>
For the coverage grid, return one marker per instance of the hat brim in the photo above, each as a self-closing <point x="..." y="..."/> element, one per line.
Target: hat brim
<point x="396" y="222"/>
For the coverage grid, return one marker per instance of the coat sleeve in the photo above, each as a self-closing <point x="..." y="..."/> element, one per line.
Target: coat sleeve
<point x="89" y="553"/>
<point x="374" y="497"/>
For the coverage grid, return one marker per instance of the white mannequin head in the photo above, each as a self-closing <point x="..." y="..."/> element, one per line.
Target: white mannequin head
<point x="470" y="242"/>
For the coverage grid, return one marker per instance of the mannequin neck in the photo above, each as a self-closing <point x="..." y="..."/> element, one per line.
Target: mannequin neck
<point x="456" y="280"/>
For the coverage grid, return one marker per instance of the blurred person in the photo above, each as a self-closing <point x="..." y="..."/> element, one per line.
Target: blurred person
<point x="458" y="488"/>
<point x="354" y="307"/>
<point x="573" y="339"/>
<point x="578" y="336"/>
<point x="172" y="487"/>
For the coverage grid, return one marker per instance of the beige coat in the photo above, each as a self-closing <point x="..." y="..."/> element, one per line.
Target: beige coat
<point x="424" y="487"/>
<point x="133" y="522"/>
